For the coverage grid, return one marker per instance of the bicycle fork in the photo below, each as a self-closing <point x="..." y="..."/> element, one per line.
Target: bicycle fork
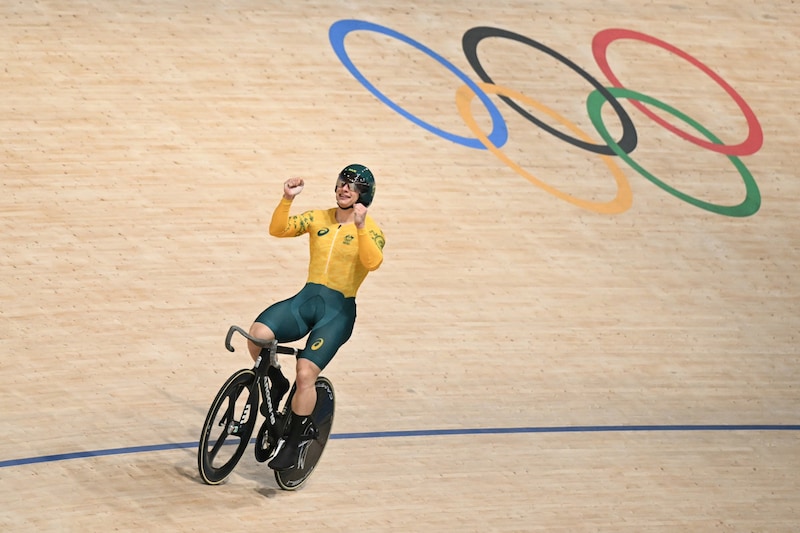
<point x="233" y="425"/>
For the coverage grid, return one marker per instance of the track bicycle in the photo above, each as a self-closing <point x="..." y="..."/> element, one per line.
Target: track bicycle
<point x="232" y="418"/>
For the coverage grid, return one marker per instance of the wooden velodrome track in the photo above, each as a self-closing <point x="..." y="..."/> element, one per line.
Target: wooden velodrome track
<point x="603" y="355"/>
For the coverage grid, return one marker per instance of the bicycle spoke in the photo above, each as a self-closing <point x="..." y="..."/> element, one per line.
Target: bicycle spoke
<point x="231" y="413"/>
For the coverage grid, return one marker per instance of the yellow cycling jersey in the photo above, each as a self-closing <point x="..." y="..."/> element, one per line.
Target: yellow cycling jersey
<point x="341" y="255"/>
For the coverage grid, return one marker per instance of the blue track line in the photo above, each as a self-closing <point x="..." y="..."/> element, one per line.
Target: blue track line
<point x="416" y="433"/>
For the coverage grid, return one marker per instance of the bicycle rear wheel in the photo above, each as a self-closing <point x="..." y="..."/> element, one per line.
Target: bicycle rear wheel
<point x="231" y="417"/>
<point x="294" y="478"/>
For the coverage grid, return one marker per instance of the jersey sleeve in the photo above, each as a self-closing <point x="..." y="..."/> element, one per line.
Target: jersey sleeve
<point x="370" y="246"/>
<point x="283" y="225"/>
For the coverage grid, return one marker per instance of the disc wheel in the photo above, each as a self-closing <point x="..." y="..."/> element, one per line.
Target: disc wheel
<point x="294" y="478"/>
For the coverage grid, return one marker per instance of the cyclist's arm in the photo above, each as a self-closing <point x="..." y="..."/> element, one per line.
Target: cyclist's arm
<point x="283" y="225"/>
<point x="370" y="246"/>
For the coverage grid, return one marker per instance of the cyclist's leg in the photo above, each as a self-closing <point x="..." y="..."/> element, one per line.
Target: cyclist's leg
<point x="259" y="331"/>
<point x="305" y="395"/>
<point x="281" y="320"/>
<point x="301" y="424"/>
<point x="331" y="332"/>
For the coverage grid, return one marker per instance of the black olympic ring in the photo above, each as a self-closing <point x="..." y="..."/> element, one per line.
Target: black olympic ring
<point x="474" y="36"/>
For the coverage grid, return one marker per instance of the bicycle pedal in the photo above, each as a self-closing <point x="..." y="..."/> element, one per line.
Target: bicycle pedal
<point x="308" y="438"/>
<point x="276" y="449"/>
<point x="311" y="433"/>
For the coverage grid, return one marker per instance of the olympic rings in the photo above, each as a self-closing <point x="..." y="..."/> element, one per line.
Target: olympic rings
<point x="619" y="204"/>
<point x="339" y="31"/>
<point x="474" y="36"/>
<point x="755" y="137"/>
<point x="622" y="148"/>
<point x="749" y="205"/>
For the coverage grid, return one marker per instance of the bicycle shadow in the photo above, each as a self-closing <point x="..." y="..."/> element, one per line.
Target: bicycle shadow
<point x="262" y="476"/>
<point x="255" y="475"/>
<point x="269" y="492"/>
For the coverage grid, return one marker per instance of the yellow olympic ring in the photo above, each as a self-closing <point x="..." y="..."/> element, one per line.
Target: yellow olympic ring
<point x="621" y="202"/>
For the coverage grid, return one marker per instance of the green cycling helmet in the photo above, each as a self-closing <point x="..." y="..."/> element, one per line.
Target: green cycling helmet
<point x="364" y="181"/>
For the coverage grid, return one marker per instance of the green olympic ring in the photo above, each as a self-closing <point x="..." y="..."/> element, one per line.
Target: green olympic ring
<point x="747" y="207"/>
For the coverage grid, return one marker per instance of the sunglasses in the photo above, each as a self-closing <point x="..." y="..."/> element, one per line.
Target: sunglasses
<point x="353" y="186"/>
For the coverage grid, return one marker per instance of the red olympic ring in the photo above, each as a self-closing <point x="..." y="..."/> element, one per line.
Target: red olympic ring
<point x="750" y="145"/>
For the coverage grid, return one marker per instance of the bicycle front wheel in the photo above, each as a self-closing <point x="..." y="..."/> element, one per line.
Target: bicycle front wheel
<point x="228" y="426"/>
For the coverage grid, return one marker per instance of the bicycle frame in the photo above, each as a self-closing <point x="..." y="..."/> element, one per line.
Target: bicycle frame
<point x="273" y="349"/>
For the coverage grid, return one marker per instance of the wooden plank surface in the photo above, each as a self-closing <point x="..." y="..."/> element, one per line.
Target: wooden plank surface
<point x="520" y="362"/>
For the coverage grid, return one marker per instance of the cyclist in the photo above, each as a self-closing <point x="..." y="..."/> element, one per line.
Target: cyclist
<point x="345" y="244"/>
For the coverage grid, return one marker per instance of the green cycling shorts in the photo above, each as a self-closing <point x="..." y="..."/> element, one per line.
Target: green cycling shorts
<point x="325" y="315"/>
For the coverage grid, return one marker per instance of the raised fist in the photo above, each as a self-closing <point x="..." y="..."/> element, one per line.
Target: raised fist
<point x="359" y="214"/>
<point x="292" y="187"/>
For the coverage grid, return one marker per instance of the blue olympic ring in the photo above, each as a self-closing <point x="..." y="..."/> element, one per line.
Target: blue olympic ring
<point x="339" y="31"/>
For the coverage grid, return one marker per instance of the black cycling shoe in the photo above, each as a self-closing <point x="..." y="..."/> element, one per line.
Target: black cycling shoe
<point x="279" y="386"/>
<point x="301" y="430"/>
